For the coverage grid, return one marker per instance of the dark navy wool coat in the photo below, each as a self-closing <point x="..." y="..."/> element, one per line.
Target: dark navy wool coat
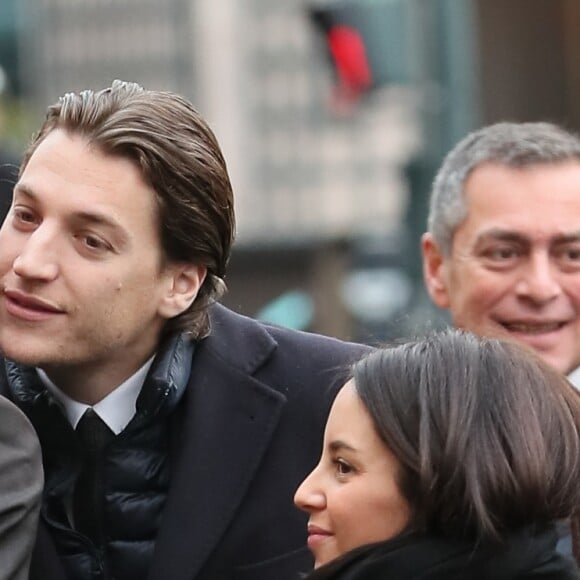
<point x="252" y="422"/>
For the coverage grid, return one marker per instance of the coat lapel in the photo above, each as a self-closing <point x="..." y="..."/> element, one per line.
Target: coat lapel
<point x="228" y="420"/>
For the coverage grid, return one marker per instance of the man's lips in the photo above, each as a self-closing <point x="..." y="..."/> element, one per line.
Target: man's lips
<point x="533" y="327"/>
<point x="28" y="306"/>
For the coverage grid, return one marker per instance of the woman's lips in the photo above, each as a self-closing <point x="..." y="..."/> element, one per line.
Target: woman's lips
<point x="317" y="535"/>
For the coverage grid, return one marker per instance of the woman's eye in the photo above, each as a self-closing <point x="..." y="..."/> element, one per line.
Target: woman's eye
<point x="342" y="467"/>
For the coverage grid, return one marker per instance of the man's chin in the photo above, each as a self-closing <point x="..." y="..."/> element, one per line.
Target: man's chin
<point x="550" y="356"/>
<point x="564" y="366"/>
<point x="545" y="345"/>
<point x="28" y="357"/>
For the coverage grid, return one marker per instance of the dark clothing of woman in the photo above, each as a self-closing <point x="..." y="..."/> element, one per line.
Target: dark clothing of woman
<point x="526" y="554"/>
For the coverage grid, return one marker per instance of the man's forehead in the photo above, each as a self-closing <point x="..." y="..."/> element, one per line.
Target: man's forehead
<point x="518" y="197"/>
<point x="504" y="178"/>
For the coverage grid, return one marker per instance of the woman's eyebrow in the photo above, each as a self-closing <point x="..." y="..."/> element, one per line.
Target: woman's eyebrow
<point x="338" y="445"/>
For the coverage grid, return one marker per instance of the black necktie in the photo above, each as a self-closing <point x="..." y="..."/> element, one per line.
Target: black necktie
<point x="88" y="506"/>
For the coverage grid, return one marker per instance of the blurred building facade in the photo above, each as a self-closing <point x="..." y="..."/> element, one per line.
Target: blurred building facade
<point x="308" y="178"/>
<point x="330" y="198"/>
<point x="254" y="70"/>
<point x="68" y="45"/>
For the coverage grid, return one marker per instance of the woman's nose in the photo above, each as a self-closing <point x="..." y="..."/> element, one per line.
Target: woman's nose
<point x="309" y="496"/>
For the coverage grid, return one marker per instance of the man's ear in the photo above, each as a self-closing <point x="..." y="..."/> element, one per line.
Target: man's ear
<point x="184" y="281"/>
<point x="434" y="271"/>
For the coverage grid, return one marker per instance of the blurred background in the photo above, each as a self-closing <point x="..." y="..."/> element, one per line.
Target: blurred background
<point x="333" y="116"/>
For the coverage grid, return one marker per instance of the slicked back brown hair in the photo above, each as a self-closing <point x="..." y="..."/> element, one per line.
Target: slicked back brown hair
<point x="488" y="436"/>
<point x="179" y="158"/>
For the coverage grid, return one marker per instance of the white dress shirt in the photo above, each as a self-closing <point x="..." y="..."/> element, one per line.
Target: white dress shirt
<point x="116" y="409"/>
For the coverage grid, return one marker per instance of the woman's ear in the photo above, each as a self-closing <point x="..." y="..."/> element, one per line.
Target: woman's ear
<point x="184" y="282"/>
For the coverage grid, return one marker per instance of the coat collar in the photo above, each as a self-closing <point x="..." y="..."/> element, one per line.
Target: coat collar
<point x="528" y="552"/>
<point x="228" y="418"/>
<point x="240" y="341"/>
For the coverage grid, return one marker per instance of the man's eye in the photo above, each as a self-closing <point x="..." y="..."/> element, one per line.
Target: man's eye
<point x="501" y="253"/>
<point x="572" y="254"/>
<point x="24" y="216"/>
<point x="93" y="242"/>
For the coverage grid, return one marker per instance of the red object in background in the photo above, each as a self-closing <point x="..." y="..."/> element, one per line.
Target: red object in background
<point x="348" y="52"/>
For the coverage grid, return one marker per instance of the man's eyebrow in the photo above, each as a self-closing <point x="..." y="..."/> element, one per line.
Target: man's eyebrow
<point x="501" y="234"/>
<point x="24" y="189"/>
<point x="96" y="218"/>
<point x="567" y="238"/>
<point x="99" y="219"/>
<point x="511" y="236"/>
<point x="338" y="445"/>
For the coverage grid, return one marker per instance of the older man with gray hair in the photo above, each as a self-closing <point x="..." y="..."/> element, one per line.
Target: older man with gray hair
<point x="502" y="251"/>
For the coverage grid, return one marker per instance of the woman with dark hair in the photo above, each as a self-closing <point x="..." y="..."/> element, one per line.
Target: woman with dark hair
<point x="446" y="458"/>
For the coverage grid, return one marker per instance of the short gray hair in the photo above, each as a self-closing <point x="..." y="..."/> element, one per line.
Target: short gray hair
<point x="510" y="144"/>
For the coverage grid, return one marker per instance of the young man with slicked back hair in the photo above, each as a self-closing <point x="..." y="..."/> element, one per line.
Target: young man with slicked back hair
<point x="173" y="430"/>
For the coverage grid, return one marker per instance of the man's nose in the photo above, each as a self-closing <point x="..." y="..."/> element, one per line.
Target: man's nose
<point x="38" y="256"/>
<point x="539" y="281"/>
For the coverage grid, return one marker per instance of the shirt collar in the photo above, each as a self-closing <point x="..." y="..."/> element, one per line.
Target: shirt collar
<point x="116" y="409"/>
<point x="574" y="378"/>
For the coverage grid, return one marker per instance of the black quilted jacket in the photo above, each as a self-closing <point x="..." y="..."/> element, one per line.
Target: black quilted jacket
<point x="137" y="469"/>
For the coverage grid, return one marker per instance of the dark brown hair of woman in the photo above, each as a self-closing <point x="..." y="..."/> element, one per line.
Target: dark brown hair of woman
<point x="488" y="435"/>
